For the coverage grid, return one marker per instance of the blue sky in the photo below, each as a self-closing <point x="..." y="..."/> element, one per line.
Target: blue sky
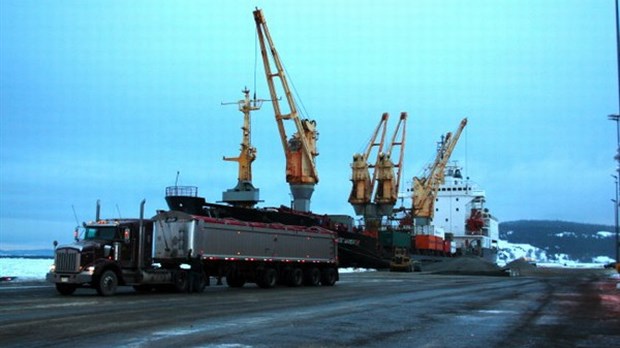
<point x="109" y="99"/>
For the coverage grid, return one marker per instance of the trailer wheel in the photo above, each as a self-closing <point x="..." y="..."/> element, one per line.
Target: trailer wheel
<point x="328" y="277"/>
<point x="295" y="277"/>
<point x="107" y="283"/>
<point x="65" y="289"/>
<point x="312" y="277"/>
<point x="234" y="279"/>
<point x="268" y="278"/>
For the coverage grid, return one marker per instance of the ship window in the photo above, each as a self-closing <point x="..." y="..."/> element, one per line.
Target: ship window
<point x="457" y="209"/>
<point x="446" y="219"/>
<point x="457" y="199"/>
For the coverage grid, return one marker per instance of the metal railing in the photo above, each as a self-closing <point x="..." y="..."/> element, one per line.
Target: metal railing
<point x="184" y="191"/>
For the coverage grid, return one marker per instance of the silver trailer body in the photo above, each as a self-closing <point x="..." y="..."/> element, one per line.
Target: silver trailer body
<point x="179" y="235"/>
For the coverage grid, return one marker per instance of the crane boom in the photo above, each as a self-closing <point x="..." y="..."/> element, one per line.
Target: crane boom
<point x="387" y="189"/>
<point x="300" y="149"/>
<point x="383" y="187"/>
<point x="361" y="192"/>
<point x="425" y="188"/>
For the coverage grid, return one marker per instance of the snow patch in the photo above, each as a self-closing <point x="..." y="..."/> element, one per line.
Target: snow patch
<point x="566" y="234"/>
<point x="25" y="268"/>
<point x="605" y="234"/>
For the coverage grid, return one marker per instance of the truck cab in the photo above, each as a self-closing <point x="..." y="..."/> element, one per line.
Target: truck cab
<point x="107" y="256"/>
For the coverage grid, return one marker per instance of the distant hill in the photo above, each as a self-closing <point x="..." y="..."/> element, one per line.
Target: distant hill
<point x="582" y="242"/>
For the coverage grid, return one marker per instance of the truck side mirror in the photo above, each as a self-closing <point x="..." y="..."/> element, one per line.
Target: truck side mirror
<point x="127" y="234"/>
<point x="107" y="250"/>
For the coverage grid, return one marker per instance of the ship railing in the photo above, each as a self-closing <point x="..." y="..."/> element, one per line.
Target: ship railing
<point x="184" y="191"/>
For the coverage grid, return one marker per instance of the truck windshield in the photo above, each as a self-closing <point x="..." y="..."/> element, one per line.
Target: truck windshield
<point x="105" y="233"/>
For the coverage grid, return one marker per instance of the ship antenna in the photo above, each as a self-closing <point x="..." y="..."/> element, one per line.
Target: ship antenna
<point x="176" y="181"/>
<point x="119" y="212"/>
<point x="77" y="222"/>
<point x="76" y="233"/>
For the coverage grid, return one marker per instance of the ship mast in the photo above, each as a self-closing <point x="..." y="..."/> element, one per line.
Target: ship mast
<point x="244" y="194"/>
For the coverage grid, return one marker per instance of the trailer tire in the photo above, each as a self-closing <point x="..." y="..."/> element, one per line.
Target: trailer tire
<point x="106" y="283"/>
<point x="295" y="277"/>
<point x="65" y="289"/>
<point x="268" y="278"/>
<point x="312" y="277"/>
<point x="234" y="279"/>
<point x="328" y="277"/>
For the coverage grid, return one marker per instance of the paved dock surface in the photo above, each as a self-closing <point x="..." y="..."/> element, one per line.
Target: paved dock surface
<point x="554" y="308"/>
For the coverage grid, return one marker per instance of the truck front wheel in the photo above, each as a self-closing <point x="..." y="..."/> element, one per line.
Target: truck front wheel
<point x="107" y="283"/>
<point x="65" y="289"/>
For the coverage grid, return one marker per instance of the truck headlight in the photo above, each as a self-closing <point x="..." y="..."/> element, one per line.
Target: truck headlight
<point x="90" y="270"/>
<point x="53" y="268"/>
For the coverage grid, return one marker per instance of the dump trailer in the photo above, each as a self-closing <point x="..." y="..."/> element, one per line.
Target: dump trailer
<point x="181" y="252"/>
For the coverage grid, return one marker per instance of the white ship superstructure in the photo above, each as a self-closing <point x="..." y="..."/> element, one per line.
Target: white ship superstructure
<point x="460" y="210"/>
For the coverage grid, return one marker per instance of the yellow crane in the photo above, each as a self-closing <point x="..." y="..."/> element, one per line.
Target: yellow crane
<point x="361" y="193"/>
<point x="244" y="194"/>
<point x="300" y="149"/>
<point x="425" y="188"/>
<point x="384" y="183"/>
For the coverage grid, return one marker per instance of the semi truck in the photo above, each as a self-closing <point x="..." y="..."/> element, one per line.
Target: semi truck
<point x="181" y="252"/>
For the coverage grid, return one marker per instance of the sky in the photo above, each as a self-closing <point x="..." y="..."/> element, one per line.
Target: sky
<point x="109" y="100"/>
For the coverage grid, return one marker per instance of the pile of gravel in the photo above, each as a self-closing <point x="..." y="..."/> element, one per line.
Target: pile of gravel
<point x="465" y="265"/>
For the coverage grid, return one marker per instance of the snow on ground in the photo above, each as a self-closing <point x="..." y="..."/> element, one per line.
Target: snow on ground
<point x="25" y="268"/>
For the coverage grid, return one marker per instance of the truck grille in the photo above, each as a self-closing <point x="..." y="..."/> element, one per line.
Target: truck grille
<point x="67" y="260"/>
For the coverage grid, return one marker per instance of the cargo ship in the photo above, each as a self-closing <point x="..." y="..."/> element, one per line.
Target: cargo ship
<point x="461" y="211"/>
<point x="462" y="226"/>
